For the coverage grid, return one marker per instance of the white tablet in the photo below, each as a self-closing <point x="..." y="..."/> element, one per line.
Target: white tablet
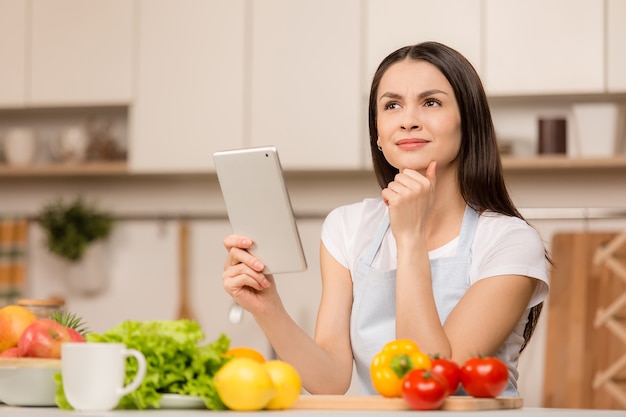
<point x="259" y="207"/>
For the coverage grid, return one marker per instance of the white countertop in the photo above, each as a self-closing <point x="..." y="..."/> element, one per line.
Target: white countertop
<point x="6" y="411"/>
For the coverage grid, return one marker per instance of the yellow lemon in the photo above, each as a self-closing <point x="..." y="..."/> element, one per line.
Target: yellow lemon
<point x="287" y="384"/>
<point x="244" y="352"/>
<point x="243" y="384"/>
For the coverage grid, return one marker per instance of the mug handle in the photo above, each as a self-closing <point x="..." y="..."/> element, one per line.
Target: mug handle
<point x="141" y="371"/>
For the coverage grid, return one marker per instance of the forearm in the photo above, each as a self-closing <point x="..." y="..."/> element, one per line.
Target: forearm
<point x="320" y="371"/>
<point x="416" y="312"/>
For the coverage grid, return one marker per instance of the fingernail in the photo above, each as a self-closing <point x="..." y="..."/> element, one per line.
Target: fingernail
<point x="246" y="242"/>
<point x="258" y="266"/>
<point x="265" y="283"/>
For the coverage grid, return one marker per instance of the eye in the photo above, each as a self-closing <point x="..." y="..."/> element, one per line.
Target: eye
<point x="431" y="102"/>
<point x="391" y="105"/>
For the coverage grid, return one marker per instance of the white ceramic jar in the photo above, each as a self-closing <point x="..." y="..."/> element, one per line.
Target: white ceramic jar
<point x="19" y="146"/>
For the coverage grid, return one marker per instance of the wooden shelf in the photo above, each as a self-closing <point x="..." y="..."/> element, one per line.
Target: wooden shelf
<point x="120" y="168"/>
<point x="67" y="169"/>
<point x="561" y="162"/>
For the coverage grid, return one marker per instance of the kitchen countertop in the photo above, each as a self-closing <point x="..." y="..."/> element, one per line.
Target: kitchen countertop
<point x="6" y="411"/>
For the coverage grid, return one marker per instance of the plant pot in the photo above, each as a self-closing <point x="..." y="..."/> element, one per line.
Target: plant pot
<point x="90" y="275"/>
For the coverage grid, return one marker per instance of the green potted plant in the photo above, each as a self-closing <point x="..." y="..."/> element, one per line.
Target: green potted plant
<point x="71" y="227"/>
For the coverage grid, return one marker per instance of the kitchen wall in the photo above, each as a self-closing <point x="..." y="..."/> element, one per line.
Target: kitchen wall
<point x="141" y="262"/>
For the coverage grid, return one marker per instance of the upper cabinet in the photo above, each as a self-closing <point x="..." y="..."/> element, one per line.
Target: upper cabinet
<point x="13" y="52"/>
<point x="616" y="46"/>
<point x="81" y="52"/>
<point x="536" y="47"/>
<point x="189" y="98"/>
<point x="391" y="25"/>
<point x="305" y="82"/>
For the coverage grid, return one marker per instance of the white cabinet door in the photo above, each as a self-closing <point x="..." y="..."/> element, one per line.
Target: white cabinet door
<point x="306" y="82"/>
<point x="394" y="24"/>
<point x="616" y="46"/>
<point x="544" y="47"/>
<point x="81" y="52"/>
<point x="13" y="53"/>
<point x="190" y="84"/>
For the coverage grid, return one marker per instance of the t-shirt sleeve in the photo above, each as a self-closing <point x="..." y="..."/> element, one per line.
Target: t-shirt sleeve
<point x="333" y="238"/>
<point x="517" y="249"/>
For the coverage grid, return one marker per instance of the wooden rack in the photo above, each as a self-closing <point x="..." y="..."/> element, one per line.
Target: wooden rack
<point x="584" y="366"/>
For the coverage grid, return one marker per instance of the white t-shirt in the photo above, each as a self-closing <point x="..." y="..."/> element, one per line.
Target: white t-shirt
<point x="502" y="245"/>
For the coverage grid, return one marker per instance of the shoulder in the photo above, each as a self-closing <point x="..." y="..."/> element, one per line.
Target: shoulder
<point x="347" y="228"/>
<point x="355" y="213"/>
<point x="496" y="226"/>
<point x="498" y="233"/>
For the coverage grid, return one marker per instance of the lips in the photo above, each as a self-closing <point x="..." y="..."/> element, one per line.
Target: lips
<point x="411" y="143"/>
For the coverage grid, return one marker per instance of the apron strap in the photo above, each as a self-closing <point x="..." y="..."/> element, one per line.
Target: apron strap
<point x="374" y="246"/>
<point x="468" y="227"/>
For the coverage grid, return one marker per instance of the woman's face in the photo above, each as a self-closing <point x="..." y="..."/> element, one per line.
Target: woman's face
<point x="418" y="118"/>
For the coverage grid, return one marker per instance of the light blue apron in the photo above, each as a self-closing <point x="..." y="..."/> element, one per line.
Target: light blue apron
<point x="373" y="322"/>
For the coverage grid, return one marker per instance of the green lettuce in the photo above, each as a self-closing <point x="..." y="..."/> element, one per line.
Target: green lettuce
<point x="177" y="362"/>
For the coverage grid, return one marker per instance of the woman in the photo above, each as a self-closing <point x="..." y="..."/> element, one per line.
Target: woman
<point x="443" y="257"/>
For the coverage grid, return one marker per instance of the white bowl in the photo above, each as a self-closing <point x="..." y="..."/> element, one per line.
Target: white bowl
<point x="28" y="381"/>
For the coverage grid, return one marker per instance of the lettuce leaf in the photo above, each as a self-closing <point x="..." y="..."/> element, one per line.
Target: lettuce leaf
<point x="177" y="361"/>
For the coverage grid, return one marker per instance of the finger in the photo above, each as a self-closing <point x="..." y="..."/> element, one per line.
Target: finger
<point x="239" y="276"/>
<point x="241" y="256"/>
<point x="235" y="241"/>
<point x="431" y="171"/>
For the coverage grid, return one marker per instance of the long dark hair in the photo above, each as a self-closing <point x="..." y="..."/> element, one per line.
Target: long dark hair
<point x="480" y="175"/>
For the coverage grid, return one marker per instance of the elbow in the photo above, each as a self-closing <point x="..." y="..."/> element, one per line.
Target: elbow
<point x="331" y="386"/>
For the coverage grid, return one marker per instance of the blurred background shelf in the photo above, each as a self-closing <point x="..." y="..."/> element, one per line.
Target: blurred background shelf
<point x="121" y="168"/>
<point x="77" y="169"/>
<point x="562" y="162"/>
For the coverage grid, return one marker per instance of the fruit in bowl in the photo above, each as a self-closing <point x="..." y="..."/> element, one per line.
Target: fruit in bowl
<point x="23" y="335"/>
<point x="28" y="381"/>
<point x="30" y="352"/>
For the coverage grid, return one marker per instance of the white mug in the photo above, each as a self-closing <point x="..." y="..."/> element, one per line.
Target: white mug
<point x="93" y="374"/>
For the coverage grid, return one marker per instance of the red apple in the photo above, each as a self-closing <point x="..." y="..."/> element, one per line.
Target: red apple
<point x="10" y="353"/>
<point x="75" y="336"/>
<point x="42" y="339"/>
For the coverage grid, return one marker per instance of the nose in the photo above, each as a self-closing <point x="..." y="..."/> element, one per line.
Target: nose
<point x="410" y="120"/>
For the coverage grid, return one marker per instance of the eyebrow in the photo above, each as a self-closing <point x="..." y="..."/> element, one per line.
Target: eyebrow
<point x="421" y="95"/>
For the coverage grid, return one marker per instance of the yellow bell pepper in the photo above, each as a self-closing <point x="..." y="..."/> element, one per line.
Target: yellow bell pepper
<point x="393" y="362"/>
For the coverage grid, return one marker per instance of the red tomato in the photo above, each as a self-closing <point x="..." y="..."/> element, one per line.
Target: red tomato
<point x="449" y="370"/>
<point x="484" y="377"/>
<point x="423" y="391"/>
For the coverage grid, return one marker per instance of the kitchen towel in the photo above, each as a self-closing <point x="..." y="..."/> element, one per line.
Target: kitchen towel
<point x="13" y="243"/>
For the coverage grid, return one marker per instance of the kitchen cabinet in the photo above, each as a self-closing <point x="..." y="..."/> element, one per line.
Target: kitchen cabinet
<point x="391" y="25"/>
<point x="538" y="47"/>
<point x="616" y="45"/>
<point x="305" y="82"/>
<point x="81" y="52"/>
<point x="189" y="99"/>
<point x="13" y="52"/>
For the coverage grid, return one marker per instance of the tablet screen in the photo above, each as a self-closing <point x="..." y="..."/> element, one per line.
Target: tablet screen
<point x="258" y="206"/>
